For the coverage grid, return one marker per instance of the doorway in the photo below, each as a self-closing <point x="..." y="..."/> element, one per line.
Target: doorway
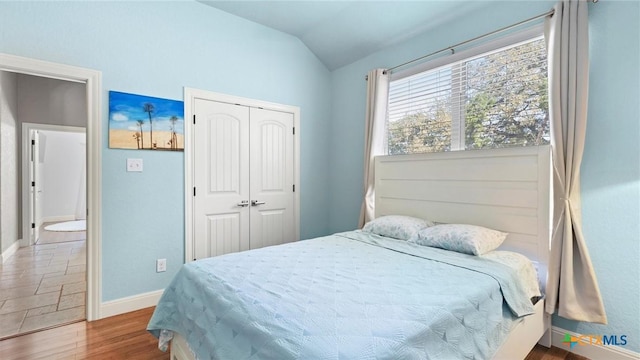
<point x="54" y="178"/>
<point x="43" y="284"/>
<point x="93" y="87"/>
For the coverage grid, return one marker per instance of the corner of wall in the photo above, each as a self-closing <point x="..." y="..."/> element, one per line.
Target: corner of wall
<point x="8" y="253"/>
<point x="9" y="221"/>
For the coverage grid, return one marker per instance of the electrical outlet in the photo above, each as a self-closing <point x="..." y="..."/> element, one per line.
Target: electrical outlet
<point x="134" y="165"/>
<point x="161" y="265"/>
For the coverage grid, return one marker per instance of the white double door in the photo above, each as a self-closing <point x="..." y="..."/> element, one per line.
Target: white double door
<point x="243" y="177"/>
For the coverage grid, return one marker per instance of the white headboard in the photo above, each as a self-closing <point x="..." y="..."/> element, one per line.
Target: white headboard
<point x="503" y="189"/>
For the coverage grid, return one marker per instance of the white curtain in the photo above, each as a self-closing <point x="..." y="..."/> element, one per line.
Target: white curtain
<point x="572" y="287"/>
<point x="374" y="138"/>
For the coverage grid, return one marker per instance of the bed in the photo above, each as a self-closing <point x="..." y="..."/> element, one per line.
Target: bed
<point x="365" y="295"/>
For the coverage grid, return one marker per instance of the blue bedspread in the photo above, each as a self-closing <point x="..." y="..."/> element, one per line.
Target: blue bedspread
<point x="346" y="296"/>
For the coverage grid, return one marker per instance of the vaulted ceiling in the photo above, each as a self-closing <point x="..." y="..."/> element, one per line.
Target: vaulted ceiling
<point x="341" y="32"/>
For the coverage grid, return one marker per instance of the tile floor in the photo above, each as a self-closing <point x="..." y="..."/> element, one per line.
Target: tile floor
<point x="44" y="285"/>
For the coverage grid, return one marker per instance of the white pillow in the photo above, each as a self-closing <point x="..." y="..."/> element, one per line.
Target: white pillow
<point x="523" y="267"/>
<point x="396" y="226"/>
<point x="463" y="238"/>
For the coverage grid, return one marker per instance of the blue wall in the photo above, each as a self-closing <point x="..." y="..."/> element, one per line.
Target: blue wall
<point x="610" y="170"/>
<point x="349" y="96"/>
<point x="156" y="49"/>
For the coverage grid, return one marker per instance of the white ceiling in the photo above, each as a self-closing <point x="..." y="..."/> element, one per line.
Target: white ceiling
<point x="341" y="32"/>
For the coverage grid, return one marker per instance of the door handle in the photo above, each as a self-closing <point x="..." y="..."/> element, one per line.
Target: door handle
<point x="243" y="203"/>
<point x="257" y="202"/>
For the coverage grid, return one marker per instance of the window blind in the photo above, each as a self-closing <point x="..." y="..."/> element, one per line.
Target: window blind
<point x="494" y="99"/>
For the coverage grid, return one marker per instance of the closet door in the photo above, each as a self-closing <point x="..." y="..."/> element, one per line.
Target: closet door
<point x="271" y="178"/>
<point x="221" y="178"/>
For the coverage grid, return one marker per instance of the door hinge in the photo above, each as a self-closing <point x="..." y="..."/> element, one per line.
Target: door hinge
<point x="294" y="187"/>
<point x="294" y="130"/>
<point x="194" y="191"/>
<point x="33" y="225"/>
<point x="194" y="119"/>
<point x="33" y="142"/>
<point x="33" y="183"/>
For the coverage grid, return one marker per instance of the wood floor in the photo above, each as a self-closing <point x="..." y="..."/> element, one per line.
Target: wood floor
<point x="124" y="337"/>
<point x="118" y="337"/>
<point x="553" y="353"/>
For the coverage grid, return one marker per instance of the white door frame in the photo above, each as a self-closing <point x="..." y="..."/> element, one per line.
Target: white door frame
<point x="93" y="81"/>
<point x="27" y="128"/>
<point x="190" y="96"/>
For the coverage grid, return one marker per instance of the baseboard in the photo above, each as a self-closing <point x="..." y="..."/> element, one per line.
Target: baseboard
<point x="7" y="254"/>
<point x="58" y="218"/>
<point x="595" y="351"/>
<point x="130" y="303"/>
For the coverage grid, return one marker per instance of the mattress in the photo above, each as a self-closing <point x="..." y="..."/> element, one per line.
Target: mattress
<point x="350" y="295"/>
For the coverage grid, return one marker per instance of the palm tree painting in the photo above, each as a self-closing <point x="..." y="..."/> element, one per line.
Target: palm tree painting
<point x="145" y="123"/>
<point x="149" y="108"/>
<point x="174" y="137"/>
<point x="138" y="134"/>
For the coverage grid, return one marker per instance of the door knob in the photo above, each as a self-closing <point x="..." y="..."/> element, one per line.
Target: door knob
<point x="243" y="203"/>
<point x="257" y="202"/>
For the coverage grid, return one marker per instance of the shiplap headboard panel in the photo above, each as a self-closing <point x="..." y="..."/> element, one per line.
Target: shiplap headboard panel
<point x="503" y="189"/>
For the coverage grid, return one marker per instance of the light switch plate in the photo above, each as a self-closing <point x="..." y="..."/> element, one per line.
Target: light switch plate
<point x="161" y="265"/>
<point x="134" y="165"/>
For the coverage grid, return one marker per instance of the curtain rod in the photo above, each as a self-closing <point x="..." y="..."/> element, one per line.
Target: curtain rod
<point x="452" y="47"/>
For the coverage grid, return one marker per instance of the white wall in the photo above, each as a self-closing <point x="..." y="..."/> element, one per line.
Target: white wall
<point x="63" y="182"/>
<point x="8" y="161"/>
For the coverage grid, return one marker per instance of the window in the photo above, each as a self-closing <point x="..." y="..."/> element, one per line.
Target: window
<point x="493" y="99"/>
